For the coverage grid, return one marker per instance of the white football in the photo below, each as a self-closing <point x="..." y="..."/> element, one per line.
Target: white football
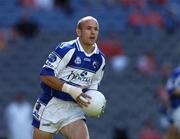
<point x="97" y="104"/>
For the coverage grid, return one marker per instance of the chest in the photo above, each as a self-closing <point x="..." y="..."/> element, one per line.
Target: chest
<point x="88" y="63"/>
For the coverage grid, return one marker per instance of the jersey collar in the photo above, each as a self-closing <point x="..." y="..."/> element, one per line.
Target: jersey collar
<point x="80" y="48"/>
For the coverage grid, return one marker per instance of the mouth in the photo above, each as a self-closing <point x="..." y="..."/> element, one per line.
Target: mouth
<point x="92" y="38"/>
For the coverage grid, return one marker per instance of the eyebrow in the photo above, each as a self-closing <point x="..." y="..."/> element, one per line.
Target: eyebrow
<point x="92" y="26"/>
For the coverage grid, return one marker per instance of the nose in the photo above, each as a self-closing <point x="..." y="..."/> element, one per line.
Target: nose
<point x="93" y="31"/>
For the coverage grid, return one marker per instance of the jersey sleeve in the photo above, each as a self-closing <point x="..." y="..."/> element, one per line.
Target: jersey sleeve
<point x="57" y="60"/>
<point x="98" y="76"/>
<point x="170" y="86"/>
<point x="173" y="83"/>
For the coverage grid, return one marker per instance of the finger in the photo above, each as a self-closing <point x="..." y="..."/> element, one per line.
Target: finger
<point x="86" y="96"/>
<point x="85" y="102"/>
<point x="82" y="104"/>
<point x="84" y="99"/>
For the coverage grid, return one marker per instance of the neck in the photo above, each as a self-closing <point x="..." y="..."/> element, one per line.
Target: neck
<point x="87" y="48"/>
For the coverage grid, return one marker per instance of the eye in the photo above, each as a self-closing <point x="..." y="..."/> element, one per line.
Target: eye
<point x="96" y="29"/>
<point x="88" y="27"/>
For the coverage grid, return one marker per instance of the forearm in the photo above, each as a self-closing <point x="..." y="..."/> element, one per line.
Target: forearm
<point x="57" y="84"/>
<point x="52" y="82"/>
<point x="176" y="93"/>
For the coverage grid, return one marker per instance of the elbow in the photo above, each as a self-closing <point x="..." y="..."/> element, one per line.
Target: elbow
<point x="46" y="79"/>
<point x="43" y="78"/>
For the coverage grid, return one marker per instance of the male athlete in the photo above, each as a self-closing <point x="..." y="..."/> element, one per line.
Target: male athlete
<point x="70" y="69"/>
<point x="173" y="87"/>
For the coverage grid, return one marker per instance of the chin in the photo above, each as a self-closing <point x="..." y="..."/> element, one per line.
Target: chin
<point x="92" y="44"/>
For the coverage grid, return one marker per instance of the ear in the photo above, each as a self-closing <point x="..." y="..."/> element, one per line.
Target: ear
<point x="78" y="31"/>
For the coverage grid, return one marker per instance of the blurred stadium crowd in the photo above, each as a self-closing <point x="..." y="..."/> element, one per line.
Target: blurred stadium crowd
<point x="140" y="39"/>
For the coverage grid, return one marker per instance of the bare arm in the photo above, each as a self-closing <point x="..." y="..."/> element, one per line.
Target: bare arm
<point x="75" y="92"/>
<point x="52" y="82"/>
<point x="176" y="92"/>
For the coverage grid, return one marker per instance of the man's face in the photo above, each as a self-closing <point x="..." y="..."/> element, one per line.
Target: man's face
<point x="88" y="32"/>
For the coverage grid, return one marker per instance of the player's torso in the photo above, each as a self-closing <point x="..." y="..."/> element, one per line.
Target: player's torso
<point x="70" y="63"/>
<point x="81" y="68"/>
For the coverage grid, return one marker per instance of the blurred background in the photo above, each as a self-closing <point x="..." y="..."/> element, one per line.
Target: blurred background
<point x="140" y="39"/>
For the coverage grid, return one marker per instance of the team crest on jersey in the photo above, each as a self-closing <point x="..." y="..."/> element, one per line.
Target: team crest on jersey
<point x="77" y="60"/>
<point x="95" y="64"/>
<point x="52" y="57"/>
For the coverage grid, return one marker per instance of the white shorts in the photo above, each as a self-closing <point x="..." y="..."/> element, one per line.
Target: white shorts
<point x="55" y="115"/>
<point x="176" y="117"/>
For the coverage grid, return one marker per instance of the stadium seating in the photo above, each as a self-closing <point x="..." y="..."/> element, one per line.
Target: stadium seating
<point x="130" y="96"/>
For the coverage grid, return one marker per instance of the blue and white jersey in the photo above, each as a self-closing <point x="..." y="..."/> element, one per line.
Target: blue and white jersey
<point x="71" y="64"/>
<point x="172" y="84"/>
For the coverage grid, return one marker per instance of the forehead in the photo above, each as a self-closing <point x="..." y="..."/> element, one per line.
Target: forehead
<point x="90" y="22"/>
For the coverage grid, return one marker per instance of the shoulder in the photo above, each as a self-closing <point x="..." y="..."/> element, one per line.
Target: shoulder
<point x="176" y="73"/>
<point x="98" y="51"/>
<point x="177" y="70"/>
<point x="101" y="55"/>
<point x="65" y="47"/>
<point x="99" y="59"/>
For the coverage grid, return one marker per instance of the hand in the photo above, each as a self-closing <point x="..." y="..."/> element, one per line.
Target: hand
<point x="83" y="100"/>
<point x="76" y="92"/>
